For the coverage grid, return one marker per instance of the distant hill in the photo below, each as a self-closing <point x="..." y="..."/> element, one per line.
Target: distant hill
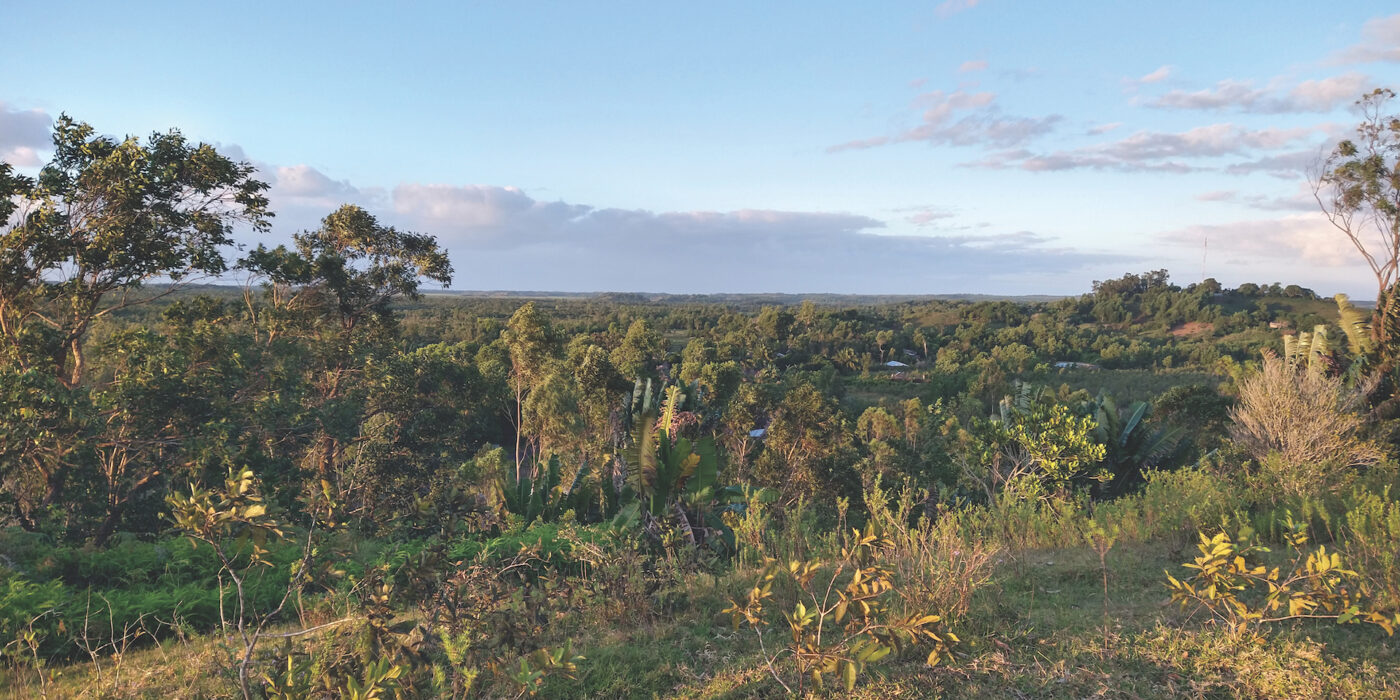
<point x="753" y="300"/>
<point x="772" y="298"/>
<point x="726" y="299"/>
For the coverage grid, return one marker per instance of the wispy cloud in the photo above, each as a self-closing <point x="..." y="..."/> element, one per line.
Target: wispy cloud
<point x="1322" y="95"/>
<point x="972" y="66"/>
<point x="962" y="118"/>
<point x="949" y="8"/>
<point x="927" y="216"/>
<point x="24" y="134"/>
<point x="1300" y="201"/>
<point x="1218" y="196"/>
<point x="1101" y="129"/>
<point x="1155" y="151"/>
<point x="1156" y="76"/>
<point x="1285" y="166"/>
<point x="1380" y="42"/>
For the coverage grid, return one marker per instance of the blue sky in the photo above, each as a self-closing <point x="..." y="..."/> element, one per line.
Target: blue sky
<point x="966" y="146"/>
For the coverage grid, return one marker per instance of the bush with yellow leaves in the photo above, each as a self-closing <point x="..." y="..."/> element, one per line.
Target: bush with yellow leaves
<point x="1244" y="594"/>
<point x="838" y="619"/>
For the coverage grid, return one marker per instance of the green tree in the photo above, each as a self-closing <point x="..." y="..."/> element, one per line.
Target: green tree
<point x="551" y="414"/>
<point x="1031" y="449"/>
<point x="719" y="380"/>
<point x="697" y="353"/>
<point x="47" y="430"/>
<point x="1199" y="412"/>
<point x="743" y="414"/>
<point x="598" y="384"/>
<point x="1131" y="443"/>
<point x="639" y="351"/>
<point x="426" y="413"/>
<point x="922" y="341"/>
<point x="336" y="291"/>
<point x="808" y="447"/>
<point x="102" y="218"/>
<point x="532" y="348"/>
<point x="883" y="338"/>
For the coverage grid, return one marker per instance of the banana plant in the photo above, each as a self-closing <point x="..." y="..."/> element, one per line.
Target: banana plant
<point x="1356" y="325"/>
<point x="1131" y="444"/>
<point x="541" y="495"/>
<point x="1312" y="351"/>
<point x="672" y="479"/>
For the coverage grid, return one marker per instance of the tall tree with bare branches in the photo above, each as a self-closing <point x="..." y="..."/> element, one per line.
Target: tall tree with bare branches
<point x="1358" y="188"/>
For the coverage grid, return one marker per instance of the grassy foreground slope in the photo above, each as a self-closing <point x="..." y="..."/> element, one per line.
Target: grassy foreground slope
<point x="1038" y="633"/>
<point x="1022" y="587"/>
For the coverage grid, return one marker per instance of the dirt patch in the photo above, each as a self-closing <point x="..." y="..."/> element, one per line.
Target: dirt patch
<point x="1193" y="328"/>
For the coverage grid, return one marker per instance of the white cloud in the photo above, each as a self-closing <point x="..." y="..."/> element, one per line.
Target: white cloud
<point x="962" y="118"/>
<point x="1103" y="128"/>
<point x="502" y="238"/>
<point x="307" y="182"/>
<point x="1297" y="239"/>
<point x="1242" y="96"/>
<point x="972" y="66"/>
<point x="23" y="135"/>
<point x="1380" y="42"/>
<point x="301" y="195"/>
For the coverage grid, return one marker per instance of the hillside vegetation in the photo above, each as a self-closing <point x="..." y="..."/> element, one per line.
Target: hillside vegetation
<point x="328" y="484"/>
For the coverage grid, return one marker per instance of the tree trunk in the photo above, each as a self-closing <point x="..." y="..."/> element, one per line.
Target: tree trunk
<point x="79" y="364"/>
<point x="519" y="428"/>
<point x="53" y="487"/>
<point x="326" y="464"/>
<point x="108" y="526"/>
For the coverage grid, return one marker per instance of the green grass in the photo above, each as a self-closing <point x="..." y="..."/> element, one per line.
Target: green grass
<point x="1040" y="632"/>
<point x="1128" y="385"/>
<point x="864" y="393"/>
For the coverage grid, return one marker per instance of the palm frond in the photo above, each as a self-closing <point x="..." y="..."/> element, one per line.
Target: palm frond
<point x="1356" y="327"/>
<point x="1139" y="412"/>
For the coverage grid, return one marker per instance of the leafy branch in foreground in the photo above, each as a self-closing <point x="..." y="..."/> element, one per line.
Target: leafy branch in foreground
<point x="838" y="618"/>
<point x="1313" y="585"/>
<point x="234" y="521"/>
<point x="539" y="665"/>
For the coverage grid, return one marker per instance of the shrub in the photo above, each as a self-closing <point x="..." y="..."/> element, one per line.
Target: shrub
<point x="937" y="569"/>
<point x="1188" y="500"/>
<point x="1371" y="535"/>
<point x="1244" y="594"/>
<point x="24" y="602"/>
<point x="838" y="619"/>
<point x="1302" y="426"/>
